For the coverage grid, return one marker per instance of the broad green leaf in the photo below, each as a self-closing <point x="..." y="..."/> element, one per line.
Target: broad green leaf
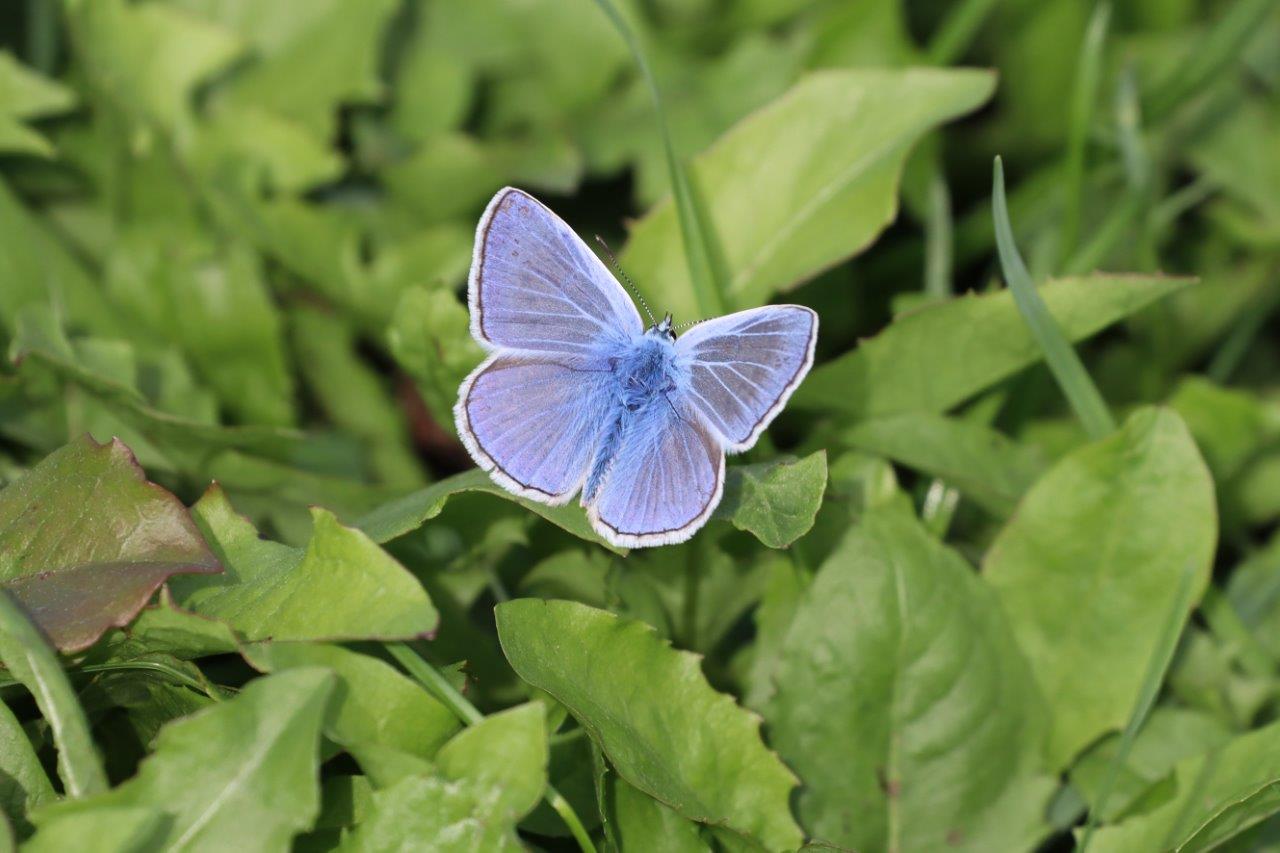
<point x="446" y="816"/>
<point x="1212" y="798"/>
<point x="146" y="58"/>
<point x="830" y="150"/>
<point x="430" y="337"/>
<point x="1088" y="567"/>
<point x="25" y="94"/>
<point x="933" y="358"/>
<point x="32" y="662"/>
<point x="121" y="829"/>
<point x="651" y="710"/>
<point x="260" y="146"/>
<point x="373" y="703"/>
<point x="1232" y="155"/>
<point x="23" y="783"/>
<point x="165" y="629"/>
<point x="904" y="704"/>
<point x="776" y="501"/>
<point x="85" y="541"/>
<point x="976" y="459"/>
<point x="1169" y="735"/>
<point x="240" y="774"/>
<point x="406" y="514"/>
<point x="504" y="754"/>
<point x="639" y="822"/>
<point x="342" y="587"/>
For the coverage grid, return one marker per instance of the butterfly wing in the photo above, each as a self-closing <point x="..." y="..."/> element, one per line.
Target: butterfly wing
<point x="532" y="421"/>
<point x="742" y="368"/>
<point x="665" y="479"/>
<point x="536" y="287"/>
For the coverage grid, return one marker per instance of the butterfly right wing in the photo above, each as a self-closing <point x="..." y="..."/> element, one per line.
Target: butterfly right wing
<point x="536" y="287"/>
<point x="533" y="420"/>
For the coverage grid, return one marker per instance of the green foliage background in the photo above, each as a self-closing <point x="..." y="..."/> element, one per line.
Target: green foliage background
<point x="970" y="592"/>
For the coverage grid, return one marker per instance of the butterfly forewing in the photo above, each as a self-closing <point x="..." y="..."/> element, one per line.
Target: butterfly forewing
<point x="535" y="286"/>
<point x="742" y="368"/>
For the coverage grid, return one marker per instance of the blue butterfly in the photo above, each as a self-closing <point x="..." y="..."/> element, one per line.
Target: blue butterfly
<point x="577" y="395"/>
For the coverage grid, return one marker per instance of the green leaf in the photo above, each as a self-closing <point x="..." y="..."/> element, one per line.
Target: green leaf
<point x="904" y="704"/>
<point x="430" y="338"/>
<point x="342" y="587"/>
<point x="410" y="512"/>
<point x="1212" y="798"/>
<point x="373" y="703"/>
<point x="146" y="58"/>
<point x="1170" y="735"/>
<point x="451" y="817"/>
<point x="122" y="829"/>
<point x="639" y="822"/>
<point x="23" y="783"/>
<point x="240" y="774"/>
<point x="834" y="146"/>
<point x="25" y="94"/>
<point x="1107" y="531"/>
<point x="776" y="501"/>
<point x="931" y="359"/>
<point x="85" y="541"/>
<point x="30" y="660"/>
<point x="652" y="712"/>
<point x="976" y="459"/>
<point x="504" y="754"/>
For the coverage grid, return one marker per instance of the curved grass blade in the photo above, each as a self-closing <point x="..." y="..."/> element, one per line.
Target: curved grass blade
<point x="705" y="272"/>
<point x="958" y="30"/>
<point x="1157" y="665"/>
<point x="1063" y="360"/>
<point x="1083" y="100"/>
<point x="28" y="656"/>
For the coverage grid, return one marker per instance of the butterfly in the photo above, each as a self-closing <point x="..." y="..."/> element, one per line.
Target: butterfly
<point x="577" y="395"/>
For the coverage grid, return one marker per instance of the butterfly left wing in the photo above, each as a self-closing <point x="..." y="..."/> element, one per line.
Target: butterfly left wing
<point x="742" y="368"/>
<point x="536" y="287"/>
<point x="664" y="481"/>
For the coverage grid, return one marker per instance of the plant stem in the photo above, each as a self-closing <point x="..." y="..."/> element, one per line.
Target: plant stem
<point x="1063" y="360"/>
<point x="1084" y="98"/>
<point x="938" y="242"/>
<point x="440" y="688"/>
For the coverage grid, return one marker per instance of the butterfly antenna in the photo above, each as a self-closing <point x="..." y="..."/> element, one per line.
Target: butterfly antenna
<point x="631" y="285"/>
<point x="690" y="324"/>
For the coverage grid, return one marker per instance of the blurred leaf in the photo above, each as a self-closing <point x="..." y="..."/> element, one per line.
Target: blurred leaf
<point x="373" y="703"/>
<point x="85" y="541"/>
<point x="776" y="501"/>
<point x="834" y="146"/>
<point x="23" y="783"/>
<point x="261" y="147"/>
<point x="242" y="773"/>
<point x="1127" y="515"/>
<point x="410" y="512"/>
<point x="146" y="58"/>
<point x="1214" y="796"/>
<point x="431" y="339"/>
<point x="34" y="664"/>
<point x="342" y="587"/>
<point x="652" y="712"/>
<point x="24" y="95"/>
<point x="979" y="461"/>
<point x="1169" y="736"/>
<point x="125" y="829"/>
<point x="931" y="359"/>
<point x="904" y="704"/>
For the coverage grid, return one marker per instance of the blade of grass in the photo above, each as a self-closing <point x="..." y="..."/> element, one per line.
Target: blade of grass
<point x="956" y="33"/>
<point x="177" y="676"/>
<point x="700" y="253"/>
<point x="439" y="687"/>
<point x="1244" y="331"/>
<point x="938" y="239"/>
<point x="31" y="660"/>
<point x="1063" y="361"/>
<point x="1153" y="677"/>
<point x="1084" y="97"/>
<point x="1220" y="49"/>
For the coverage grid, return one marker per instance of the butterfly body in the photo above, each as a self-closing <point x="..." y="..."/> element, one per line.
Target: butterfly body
<point x="577" y="396"/>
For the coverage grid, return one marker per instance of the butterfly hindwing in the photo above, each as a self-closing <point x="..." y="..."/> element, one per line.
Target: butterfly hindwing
<point x="664" y="481"/>
<point x="743" y="367"/>
<point x="536" y="287"/>
<point x="533" y="421"/>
